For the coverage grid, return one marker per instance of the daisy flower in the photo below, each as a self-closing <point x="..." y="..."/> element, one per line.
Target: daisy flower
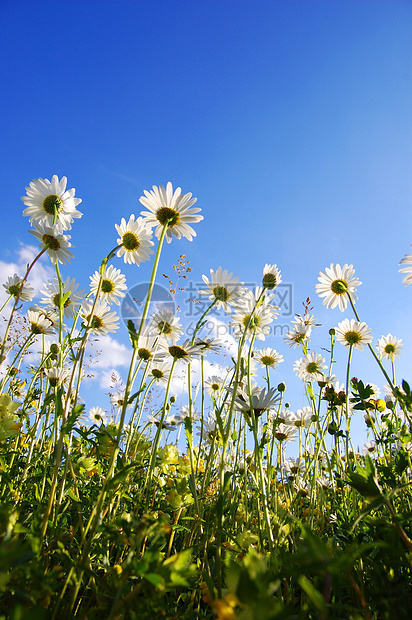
<point x="57" y="376"/>
<point x="173" y="208"/>
<point x="165" y="324"/>
<point x="49" y="203"/>
<point x="336" y="284"/>
<point x="53" y="298"/>
<point x="294" y="467"/>
<point x="160" y="372"/>
<point x="214" y="385"/>
<point x="389" y="346"/>
<point x="209" y="344"/>
<point x="407" y="260"/>
<point x="209" y="431"/>
<point x="13" y="287"/>
<point x="55" y="244"/>
<point x="223" y="289"/>
<point x="262" y="400"/>
<point x="285" y="433"/>
<point x="353" y="333"/>
<point x="147" y="346"/>
<point x="298" y="335"/>
<point x="271" y="277"/>
<point x="285" y="416"/>
<point x="136" y="240"/>
<point x="47" y="313"/>
<point x="113" y="285"/>
<point x="310" y="368"/>
<point x="268" y="358"/>
<point x="117" y="400"/>
<point x="39" y="324"/>
<point x="103" y="320"/>
<point x="369" y="447"/>
<point x="97" y="415"/>
<point x="255" y="319"/>
<point x="302" y="418"/>
<point x="185" y="352"/>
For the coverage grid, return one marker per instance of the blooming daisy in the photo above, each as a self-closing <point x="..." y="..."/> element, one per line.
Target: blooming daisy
<point x="262" y="400"/>
<point x="285" y="416"/>
<point x="49" y="203"/>
<point x="113" y="285"/>
<point x="57" y="376"/>
<point x="302" y="418"/>
<point x="294" y="467"/>
<point x="353" y="333"/>
<point x="97" y="415"/>
<point x="39" y="324"/>
<point x="209" y="431"/>
<point x="117" y="400"/>
<point x="209" y="344"/>
<point x="310" y="368"/>
<point x="103" y="320"/>
<point x="214" y="385"/>
<point x="173" y="208"/>
<point x="14" y="288"/>
<point x="271" y="277"/>
<point x="185" y="352"/>
<point x="135" y="239"/>
<point x="53" y="297"/>
<point x="160" y="372"/>
<point x="48" y="313"/>
<point x="165" y="324"/>
<point x="55" y="244"/>
<point x="298" y="335"/>
<point x="369" y="447"/>
<point x="336" y="284"/>
<point x="223" y="289"/>
<point x="268" y="358"/>
<point x="407" y="260"/>
<point x="147" y="346"/>
<point x="389" y="346"/>
<point x="252" y="317"/>
<point x="285" y="433"/>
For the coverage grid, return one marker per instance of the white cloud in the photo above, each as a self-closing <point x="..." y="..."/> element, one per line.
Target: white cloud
<point x="107" y="355"/>
<point x="41" y="272"/>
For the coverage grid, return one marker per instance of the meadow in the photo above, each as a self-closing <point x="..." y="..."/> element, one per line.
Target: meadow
<point x="106" y="514"/>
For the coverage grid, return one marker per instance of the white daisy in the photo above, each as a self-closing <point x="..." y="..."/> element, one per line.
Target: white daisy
<point x="172" y="207"/>
<point x="336" y="284"/>
<point x="223" y="288"/>
<point x="55" y="244"/>
<point x="13" y="287"/>
<point x="389" y="346"/>
<point x="271" y="277"/>
<point x="298" y="335"/>
<point x="147" y="346"/>
<point x="353" y="333"/>
<point x="47" y="313"/>
<point x="117" y="400"/>
<point x="160" y="372"/>
<point x="103" y="320"/>
<point x="268" y="358"/>
<point x="135" y="239"/>
<point x="302" y="418"/>
<point x="407" y="260"/>
<point x="97" y="415"/>
<point x="164" y="323"/>
<point x="39" y="324"/>
<point x="113" y="285"/>
<point x="294" y="467"/>
<point x="209" y="431"/>
<point x="57" y="376"/>
<point x="214" y="385"/>
<point x="185" y="352"/>
<point x="252" y="317"/>
<point x="285" y="416"/>
<point x="262" y="400"/>
<point x="53" y="297"/>
<point x="285" y="433"/>
<point x="49" y="203"/>
<point x="310" y="368"/>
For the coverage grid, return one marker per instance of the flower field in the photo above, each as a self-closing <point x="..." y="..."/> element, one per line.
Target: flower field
<point x="152" y="509"/>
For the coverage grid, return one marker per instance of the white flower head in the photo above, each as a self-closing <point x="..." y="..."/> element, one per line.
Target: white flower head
<point x="97" y="415"/>
<point x="298" y="335"/>
<point x="253" y="317"/>
<point x="49" y="203"/>
<point x="136" y="240"/>
<point x="171" y="208"/>
<point x="39" y="324"/>
<point x="113" y="285"/>
<point x="160" y="371"/>
<point x="185" y="352"/>
<point x="336" y="284"/>
<point x="103" y="320"/>
<point x="271" y="277"/>
<point x="389" y="347"/>
<point x="71" y="299"/>
<point x="223" y="289"/>
<point x="407" y="260"/>
<point x="57" y="376"/>
<point x="165" y="324"/>
<point x="55" y="244"/>
<point x="311" y="367"/>
<point x="268" y="358"/>
<point x="13" y="287"/>
<point x="214" y="385"/>
<point x="353" y="333"/>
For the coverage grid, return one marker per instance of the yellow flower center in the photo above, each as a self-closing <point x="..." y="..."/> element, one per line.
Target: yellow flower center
<point x="221" y="293"/>
<point x="353" y="337"/>
<point x="53" y="204"/>
<point x="51" y="242"/>
<point x="130" y="241"/>
<point x="339" y="287"/>
<point x="177" y="352"/>
<point x="166" y="214"/>
<point x="107" y="286"/>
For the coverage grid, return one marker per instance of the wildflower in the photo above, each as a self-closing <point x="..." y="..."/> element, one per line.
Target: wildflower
<point x="117" y="400"/>
<point x="209" y="431"/>
<point x="252" y="317"/>
<point x="336" y="284"/>
<point x="295" y="467"/>
<point x="54" y="297"/>
<point x="285" y="433"/>
<point x="135" y="239"/>
<point x="302" y="418"/>
<point x="353" y="333"/>
<point x="271" y="277"/>
<point x="165" y="324"/>
<point x="407" y="260"/>
<point x="47" y="313"/>
<point x="97" y="415"/>
<point x="103" y="320"/>
<point x="285" y="416"/>
<point x="223" y="289"/>
<point x="55" y="244"/>
<point x="49" y="203"/>
<point x="160" y="371"/>
<point x="324" y="482"/>
<point x="298" y="335"/>
<point x="57" y="376"/>
<point x="310" y="368"/>
<point x="268" y="358"/>
<point x="166" y="425"/>
<point x="9" y="421"/>
<point x="209" y="344"/>
<point x="389" y="347"/>
<point x="185" y="352"/>
<point x="14" y="288"/>
<point x="39" y="324"/>
<point x="173" y="208"/>
<point x="260" y="399"/>
<point x="369" y="447"/>
<point x="113" y="285"/>
<point x="214" y="385"/>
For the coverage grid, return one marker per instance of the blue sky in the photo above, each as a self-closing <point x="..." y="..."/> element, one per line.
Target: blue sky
<point x="289" y="120"/>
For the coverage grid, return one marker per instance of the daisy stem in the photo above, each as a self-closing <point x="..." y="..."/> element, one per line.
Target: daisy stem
<point x="347" y="406"/>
